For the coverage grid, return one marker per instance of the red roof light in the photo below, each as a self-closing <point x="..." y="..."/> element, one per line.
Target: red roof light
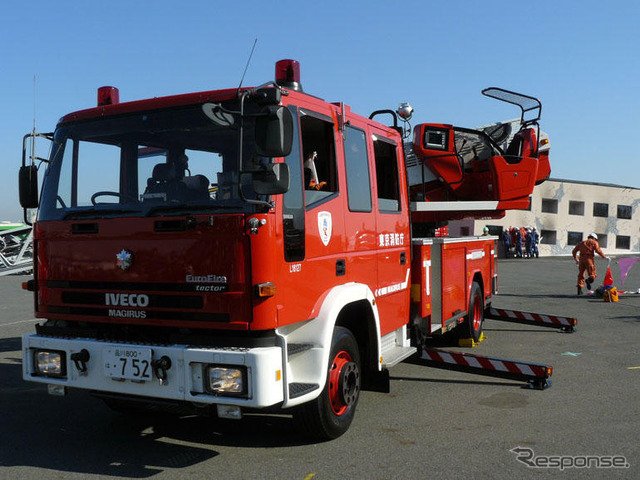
<point x="108" y="96"/>
<point x="288" y="74"/>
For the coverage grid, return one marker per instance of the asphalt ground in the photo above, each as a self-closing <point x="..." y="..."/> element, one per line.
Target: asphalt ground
<point x="434" y="423"/>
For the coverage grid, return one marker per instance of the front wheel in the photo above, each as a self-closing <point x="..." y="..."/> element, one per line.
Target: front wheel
<point x="330" y="415"/>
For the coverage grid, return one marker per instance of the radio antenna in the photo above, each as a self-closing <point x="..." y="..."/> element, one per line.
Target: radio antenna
<point x="33" y="136"/>
<point x="247" y="65"/>
<point x="34" y="103"/>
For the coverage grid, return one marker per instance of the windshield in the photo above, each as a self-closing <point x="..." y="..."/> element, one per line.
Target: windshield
<point x="169" y="161"/>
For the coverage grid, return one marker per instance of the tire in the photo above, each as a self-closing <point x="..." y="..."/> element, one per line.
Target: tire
<point x="472" y="325"/>
<point x="330" y="415"/>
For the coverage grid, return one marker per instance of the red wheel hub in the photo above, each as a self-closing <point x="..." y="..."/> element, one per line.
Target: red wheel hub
<point x="477" y="312"/>
<point x="344" y="383"/>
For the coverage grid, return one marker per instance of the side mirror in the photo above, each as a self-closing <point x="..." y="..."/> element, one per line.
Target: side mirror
<point x="274" y="132"/>
<point x="272" y="180"/>
<point x="28" y="186"/>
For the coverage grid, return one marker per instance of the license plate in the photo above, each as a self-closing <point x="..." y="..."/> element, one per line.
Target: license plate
<point x="128" y="363"/>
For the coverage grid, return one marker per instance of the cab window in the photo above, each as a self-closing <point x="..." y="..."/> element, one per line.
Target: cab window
<point x="387" y="175"/>
<point x="318" y="156"/>
<point x="357" y="168"/>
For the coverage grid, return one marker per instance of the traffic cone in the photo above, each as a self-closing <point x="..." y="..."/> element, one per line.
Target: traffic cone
<point x="610" y="293"/>
<point x="608" y="278"/>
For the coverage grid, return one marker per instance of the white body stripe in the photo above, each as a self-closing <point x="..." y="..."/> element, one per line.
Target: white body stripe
<point x="427" y="269"/>
<point x="380" y="292"/>
<point x="475" y="255"/>
<point x="452" y="206"/>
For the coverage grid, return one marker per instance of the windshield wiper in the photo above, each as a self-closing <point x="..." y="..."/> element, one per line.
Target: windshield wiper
<point x="99" y="211"/>
<point x="187" y="208"/>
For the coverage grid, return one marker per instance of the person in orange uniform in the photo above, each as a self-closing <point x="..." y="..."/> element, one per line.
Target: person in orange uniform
<point x="587" y="249"/>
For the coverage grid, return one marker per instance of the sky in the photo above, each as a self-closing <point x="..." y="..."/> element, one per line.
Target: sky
<point x="580" y="58"/>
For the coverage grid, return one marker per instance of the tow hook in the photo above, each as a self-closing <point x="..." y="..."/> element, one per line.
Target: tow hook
<point x="80" y="360"/>
<point x="160" y="368"/>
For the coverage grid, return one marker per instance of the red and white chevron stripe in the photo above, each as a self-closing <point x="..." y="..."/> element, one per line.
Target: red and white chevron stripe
<point x="532" y="318"/>
<point x="490" y="366"/>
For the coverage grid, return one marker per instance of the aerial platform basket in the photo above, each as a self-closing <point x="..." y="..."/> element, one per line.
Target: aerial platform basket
<point x="499" y="163"/>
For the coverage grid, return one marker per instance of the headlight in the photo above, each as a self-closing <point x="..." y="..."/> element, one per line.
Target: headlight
<point x="50" y="363"/>
<point x="226" y="380"/>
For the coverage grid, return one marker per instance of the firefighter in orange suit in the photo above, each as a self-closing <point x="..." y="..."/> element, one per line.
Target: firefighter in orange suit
<point x="587" y="249"/>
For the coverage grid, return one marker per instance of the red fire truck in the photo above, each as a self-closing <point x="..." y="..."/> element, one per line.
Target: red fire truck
<point x="258" y="248"/>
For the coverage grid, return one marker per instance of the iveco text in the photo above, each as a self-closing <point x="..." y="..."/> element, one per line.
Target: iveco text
<point x="126" y="299"/>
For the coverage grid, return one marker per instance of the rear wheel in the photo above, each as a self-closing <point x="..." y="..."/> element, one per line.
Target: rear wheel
<point x="331" y="414"/>
<point x="472" y="325"/>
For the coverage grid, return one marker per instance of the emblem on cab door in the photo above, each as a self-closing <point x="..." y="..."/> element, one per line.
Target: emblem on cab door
<point x="324" y="227"/>
<point x="124" y="259"/>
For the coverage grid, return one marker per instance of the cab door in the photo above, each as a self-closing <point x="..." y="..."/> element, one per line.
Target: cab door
<point x="360" y="217"/>
<point x="392" y="231"/>
<point x="313" y="220"/>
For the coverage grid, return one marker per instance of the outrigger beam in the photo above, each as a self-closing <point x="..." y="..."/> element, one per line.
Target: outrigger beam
<point x="535" y="375"/>
<point x="566" y="324"/>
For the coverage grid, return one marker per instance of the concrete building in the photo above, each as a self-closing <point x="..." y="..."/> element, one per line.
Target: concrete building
<point x="565" y="211"/>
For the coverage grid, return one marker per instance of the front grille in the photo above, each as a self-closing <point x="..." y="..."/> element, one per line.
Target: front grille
<point x="158" y="335"/>
<point x="155" y="301"/>
<point x="132" y="286"/>
<point x="119" y="312"/>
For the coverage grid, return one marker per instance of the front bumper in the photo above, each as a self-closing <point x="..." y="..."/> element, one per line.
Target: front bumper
<point x="184" y="380"/>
